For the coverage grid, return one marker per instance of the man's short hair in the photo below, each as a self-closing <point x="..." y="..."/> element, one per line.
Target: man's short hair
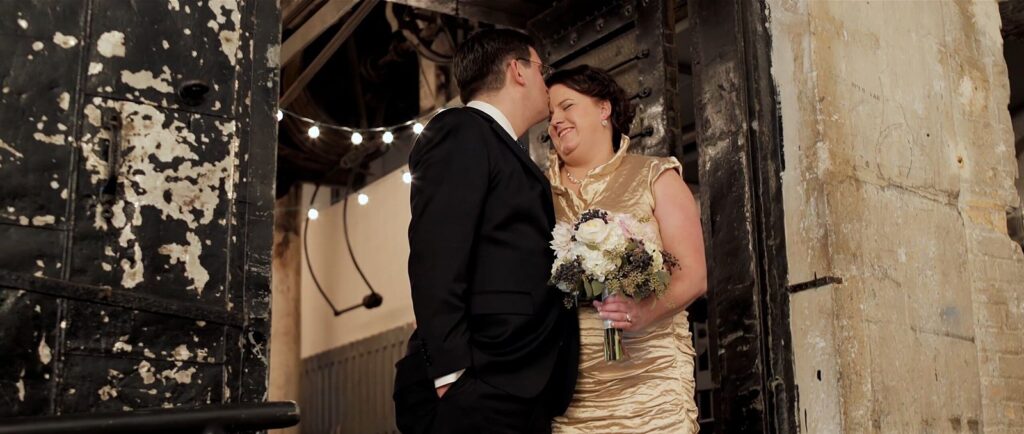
<point x="480" y="60"/>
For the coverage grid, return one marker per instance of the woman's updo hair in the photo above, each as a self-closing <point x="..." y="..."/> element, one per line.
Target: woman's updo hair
<point x="596" y="83"/>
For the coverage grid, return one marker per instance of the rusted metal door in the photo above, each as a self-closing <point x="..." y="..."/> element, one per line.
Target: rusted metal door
<point x="137" y="159"/>
<point x="633" y="40"/>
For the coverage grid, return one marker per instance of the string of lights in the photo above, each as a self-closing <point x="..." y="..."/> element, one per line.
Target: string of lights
<point x="387" y="133"/>
<point x="387" y="136"/>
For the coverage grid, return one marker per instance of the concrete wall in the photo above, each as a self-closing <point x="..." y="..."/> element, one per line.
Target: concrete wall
<point x="380" y="243"/>
<point x="899" y="171"/>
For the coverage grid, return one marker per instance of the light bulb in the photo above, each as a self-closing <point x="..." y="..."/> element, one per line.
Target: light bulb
<point x="388" y="137"/>
<point x="417" y="128"/>
<point x="357" y="138"/>
<point x="363" y="199"/>
<point x="407" y="177"/>
<point x="313" y="214"/>
<point x="314" y="131"/>
<point x="280" y="115"/>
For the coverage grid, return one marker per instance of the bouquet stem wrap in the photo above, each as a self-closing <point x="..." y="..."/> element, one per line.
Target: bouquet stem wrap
<point x="613" y="350"/>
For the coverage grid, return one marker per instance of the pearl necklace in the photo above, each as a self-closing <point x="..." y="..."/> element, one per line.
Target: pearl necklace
<point x="573" y="179"/>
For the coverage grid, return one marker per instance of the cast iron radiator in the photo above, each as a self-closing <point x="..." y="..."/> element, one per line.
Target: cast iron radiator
<point x="348" y="389"/>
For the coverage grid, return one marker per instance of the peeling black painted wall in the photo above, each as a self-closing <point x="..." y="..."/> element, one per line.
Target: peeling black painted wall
<point x="137" y="162"/>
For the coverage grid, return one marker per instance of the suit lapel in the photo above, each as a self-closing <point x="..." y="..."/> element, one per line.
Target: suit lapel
<point x="519" y="151"/>
<point x="524" y="159"/>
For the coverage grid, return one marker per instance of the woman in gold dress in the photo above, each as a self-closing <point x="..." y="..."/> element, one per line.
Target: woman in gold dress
<point x="652" y="391"/>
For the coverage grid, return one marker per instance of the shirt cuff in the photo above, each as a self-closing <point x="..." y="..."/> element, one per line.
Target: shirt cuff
<point x="448" y="379"/>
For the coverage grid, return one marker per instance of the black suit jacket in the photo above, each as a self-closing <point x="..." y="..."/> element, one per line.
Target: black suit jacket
<point x="480" y="262"/>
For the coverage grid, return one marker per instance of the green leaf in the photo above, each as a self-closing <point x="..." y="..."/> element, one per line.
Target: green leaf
<point x="663" y="277"/>
<point x="598" y="288"/>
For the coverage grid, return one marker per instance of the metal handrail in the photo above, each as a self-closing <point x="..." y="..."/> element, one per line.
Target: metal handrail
<point x="212" y="419"/>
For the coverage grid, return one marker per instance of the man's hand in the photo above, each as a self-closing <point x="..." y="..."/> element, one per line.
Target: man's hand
<point x="442" y="390"/>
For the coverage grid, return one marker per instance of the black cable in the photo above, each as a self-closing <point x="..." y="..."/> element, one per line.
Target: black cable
<point x="344" y="228"/>
<point x="371" y="300"/>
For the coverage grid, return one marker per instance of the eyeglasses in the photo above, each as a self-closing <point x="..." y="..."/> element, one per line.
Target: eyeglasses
<point x="545" y="70"/>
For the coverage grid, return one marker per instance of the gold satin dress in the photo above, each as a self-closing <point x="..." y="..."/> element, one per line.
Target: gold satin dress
<point x="652" y="391"/>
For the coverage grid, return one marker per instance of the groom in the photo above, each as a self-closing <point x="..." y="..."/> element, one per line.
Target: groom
<point x="495" y="350"/>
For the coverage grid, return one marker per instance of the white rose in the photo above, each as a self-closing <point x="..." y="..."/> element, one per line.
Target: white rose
<point x="595" y="262"/>
<point x="659" y="261"/>
<point x="593" y="232"/>
<point x="561" y="239"/>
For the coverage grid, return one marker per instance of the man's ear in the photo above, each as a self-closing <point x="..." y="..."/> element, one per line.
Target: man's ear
<point x="517" y="72"/>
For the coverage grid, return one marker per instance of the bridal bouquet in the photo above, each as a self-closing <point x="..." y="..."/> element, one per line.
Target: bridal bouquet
<point x="603" y="254"/>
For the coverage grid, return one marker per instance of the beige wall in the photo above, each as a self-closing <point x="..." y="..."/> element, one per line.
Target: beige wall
<point x="380" y="243"/>
<point x="285" y="328"/>
<point x="899" y="171"/>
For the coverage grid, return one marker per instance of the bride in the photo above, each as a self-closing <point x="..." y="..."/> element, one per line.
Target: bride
<point x="653" y="389"/>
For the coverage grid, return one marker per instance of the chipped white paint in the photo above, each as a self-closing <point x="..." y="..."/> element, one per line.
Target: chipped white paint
<point x="146" y="352"/>
<point x="20" y="385"/>
<point x="95" y="68"/>
<point x="107" y="392"/>
<point x="22" y="23"/>
<point x="229" y="39"/>
<point x="54" y="139"/>
<point x="183" y="376"/>
<point x="10" y="149"/>
<point x="188" y="32"/>
<point x="173" y="5"/>
<point x="190" y="192"/>
<point x="111" y="44"/>
<point x="64" y="100"/>
<point x="181" y="353"/>
<point x="54" y="185"/>
<point x="189" y="256"/>
<point x="201" y="323"/>
<point x="38" y="46"/>
<point x="122" y="347"/>
<point x="64" y="41"/>
<point x="43" y="220"/>
<point x="45" y="355"/>
<point x="146" y="372"/>
<point x="201" y="354"/>
<point x="106" y="267"/>
<point x="165" y="44"/>
<point x="93" y="114"/>
<point x="145" y="79"/>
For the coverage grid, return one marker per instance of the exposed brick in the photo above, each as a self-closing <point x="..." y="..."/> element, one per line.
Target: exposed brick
<point x="1011" y="367"/>
<point x="991" y="315"/>
<point x="1001" y="342"/>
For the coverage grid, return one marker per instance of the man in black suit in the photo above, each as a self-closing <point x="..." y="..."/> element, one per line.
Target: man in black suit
<point x="495" y="351"/>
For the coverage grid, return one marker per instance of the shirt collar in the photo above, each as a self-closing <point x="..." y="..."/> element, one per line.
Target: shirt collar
<point x="495" y="114"/>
